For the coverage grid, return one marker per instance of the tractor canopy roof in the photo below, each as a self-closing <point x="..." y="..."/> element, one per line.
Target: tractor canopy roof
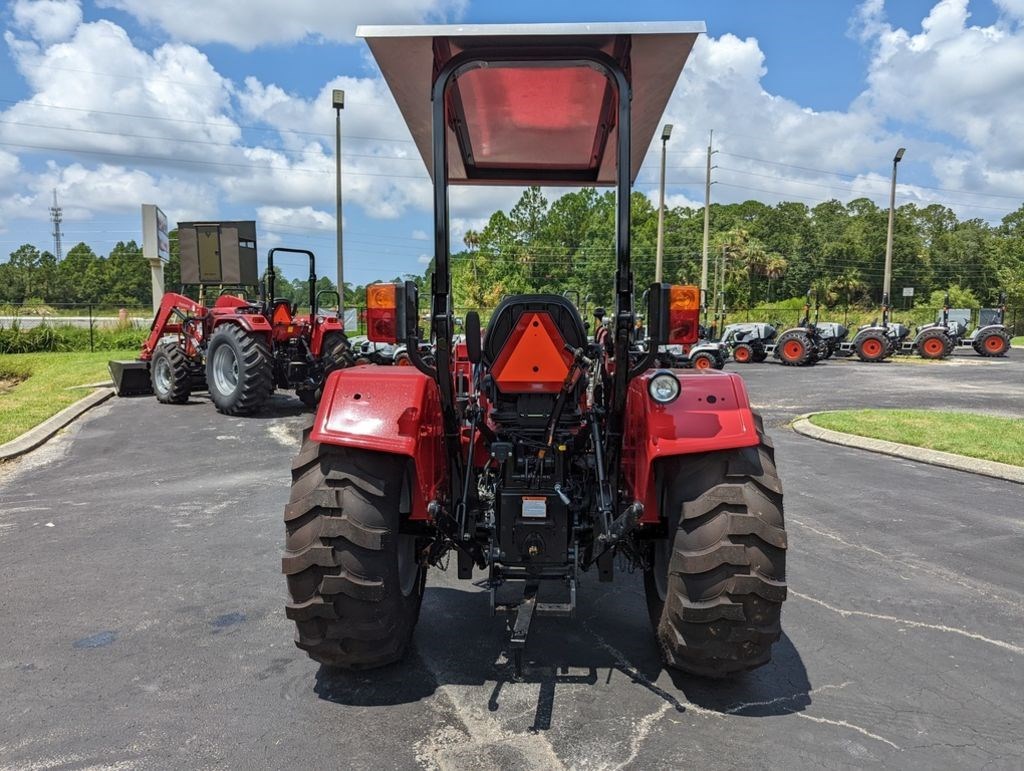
<point x="542" y="111"/>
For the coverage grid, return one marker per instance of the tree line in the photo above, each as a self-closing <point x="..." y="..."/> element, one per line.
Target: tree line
<point x="758" y="255"/>
<point x="34" y="277"/>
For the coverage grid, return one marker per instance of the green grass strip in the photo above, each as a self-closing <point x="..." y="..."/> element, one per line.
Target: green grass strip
<point x="964" y="433"/>
<point x="44" y="382"/>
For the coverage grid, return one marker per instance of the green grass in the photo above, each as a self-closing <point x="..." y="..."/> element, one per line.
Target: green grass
<point x="965" y="433"/>
<point x="1017" y="340"/>
<point x="44" y="382"/>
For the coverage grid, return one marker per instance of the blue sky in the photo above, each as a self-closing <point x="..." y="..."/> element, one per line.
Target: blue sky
<point x="210" y="114"/>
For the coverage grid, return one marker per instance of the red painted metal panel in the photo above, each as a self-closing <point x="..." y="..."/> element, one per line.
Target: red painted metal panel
<point x="712" y="413"/>
<point x="387" y="409"/>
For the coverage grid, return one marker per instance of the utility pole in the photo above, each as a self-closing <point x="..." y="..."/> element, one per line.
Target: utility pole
<point x="707" y="212"/>
<point x="666" y="132"/>
<point x="887" y="283"/>
<point x="338" y="102"/>
<point x="56" y="217"/>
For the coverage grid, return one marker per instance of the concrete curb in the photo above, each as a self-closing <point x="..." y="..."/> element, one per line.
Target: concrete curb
<point x="989" y="468"/>
<point x="36" y="436"/>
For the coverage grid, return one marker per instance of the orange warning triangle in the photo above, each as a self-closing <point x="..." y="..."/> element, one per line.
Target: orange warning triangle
<point x="535" y="361"/>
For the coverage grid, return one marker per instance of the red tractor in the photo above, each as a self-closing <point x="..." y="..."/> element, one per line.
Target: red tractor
<point x="237" y="349"/>
<point x="527" y="451"/>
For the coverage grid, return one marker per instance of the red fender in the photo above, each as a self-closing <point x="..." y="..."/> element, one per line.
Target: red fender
<point x="711" y="413"/>
<point x="395" y="410"/>
<point x="250" y="322"/>
<point x="321" y="326"/>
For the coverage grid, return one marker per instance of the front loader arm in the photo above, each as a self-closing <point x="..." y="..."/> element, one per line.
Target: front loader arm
<point x="174" y="310"/>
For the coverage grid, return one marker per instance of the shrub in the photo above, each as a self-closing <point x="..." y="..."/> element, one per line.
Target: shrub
<point x="53" y="338"/>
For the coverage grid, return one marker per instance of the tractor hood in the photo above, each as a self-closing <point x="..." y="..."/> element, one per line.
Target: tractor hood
<point x="531" y="122"/>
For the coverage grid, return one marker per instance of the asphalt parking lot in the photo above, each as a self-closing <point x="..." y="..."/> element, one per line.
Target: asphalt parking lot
<point x="142" y="620"/>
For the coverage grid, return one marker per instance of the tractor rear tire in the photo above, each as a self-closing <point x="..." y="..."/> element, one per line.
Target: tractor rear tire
<point x="934" y="344"/>
<point x="760" y="354"/>
<point x="994" y="343"/>
<point x="336" y="352"/>
<point x="239" y="371"/>
<point x="355" y="583"/>
<point x="743" y="353"/>
<point x="716" y="584"/>
<point x="703" y="361"/>
<point x="872" y="347"/>
<point x="170" y="373"/>
<point x="795" y="349"/>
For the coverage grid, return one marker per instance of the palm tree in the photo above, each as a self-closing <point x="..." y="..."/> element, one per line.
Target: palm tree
<point x="847" y="283"/>
<point x="775" y="268"/>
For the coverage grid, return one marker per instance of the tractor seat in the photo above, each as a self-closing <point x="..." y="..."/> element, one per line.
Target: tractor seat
<point x="510" y="310"/>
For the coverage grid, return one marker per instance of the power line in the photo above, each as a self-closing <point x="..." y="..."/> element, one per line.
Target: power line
<point x="172" y="161"/>
<point x="231" y="125"/>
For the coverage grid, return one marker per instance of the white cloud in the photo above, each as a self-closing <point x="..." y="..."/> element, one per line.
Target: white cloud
<point x="98" y="92"/>
<point x="424" y="259"/>
<point x="303" y="217"/>
<point x="47" y="20"/>
<point x="261" y="22"/>
<point x="964" y="81"/>
<point x="85" y="191"/>
<point x="1011" y="8"/>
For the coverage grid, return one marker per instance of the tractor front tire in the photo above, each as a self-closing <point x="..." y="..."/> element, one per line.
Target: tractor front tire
<point x="795" y="349"/>
<point x="170" y="373"/>
<point x="872" y="347"/>
<point x="703" y="361"/>
<point x="355" y="582"/>
<point x="743" y="353"/>
<point x="239" y="371"/>
<point x="716" y="584"/>
<point x="995" y="343"/>
<point x="934" y="344"/>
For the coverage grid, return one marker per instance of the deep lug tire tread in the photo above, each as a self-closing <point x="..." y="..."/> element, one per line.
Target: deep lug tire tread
<point x="885" y="348"/>
<point x="726" y="582"/>
<point x="981" y="349"/>
<point x="934" y="334"/>
<point x="181" y="384"/>
<point x="806" y="356"/>
<point x="255" y="370"/>
<point x="340" y="557"/>
<point x="743" y="353"/>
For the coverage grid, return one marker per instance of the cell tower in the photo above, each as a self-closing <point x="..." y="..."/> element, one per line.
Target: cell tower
<point x="56" y="215"/>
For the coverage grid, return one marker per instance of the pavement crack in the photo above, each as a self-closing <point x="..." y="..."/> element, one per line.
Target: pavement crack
<point x="913" y="562"/>
<point x="909" y="622"/>
<point x="851" y="726"/>
<point x="780" y="699"/>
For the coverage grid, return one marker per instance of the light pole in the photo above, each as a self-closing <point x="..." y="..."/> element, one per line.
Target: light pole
<point x="338" y="101"/>
<point x="707" y="221"/>
<point x="666" y="132"/>
<point x="887" y="282"/>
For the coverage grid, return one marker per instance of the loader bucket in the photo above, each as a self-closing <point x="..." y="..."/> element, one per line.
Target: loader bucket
<point x="131" y="378"/>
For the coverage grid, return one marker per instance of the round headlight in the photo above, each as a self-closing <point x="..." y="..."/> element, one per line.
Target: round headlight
<point x="663" y="387"/>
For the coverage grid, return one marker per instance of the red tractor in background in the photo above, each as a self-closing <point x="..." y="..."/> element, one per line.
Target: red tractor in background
<point x="529" y="452"/>
<point x="238" y="350"/>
